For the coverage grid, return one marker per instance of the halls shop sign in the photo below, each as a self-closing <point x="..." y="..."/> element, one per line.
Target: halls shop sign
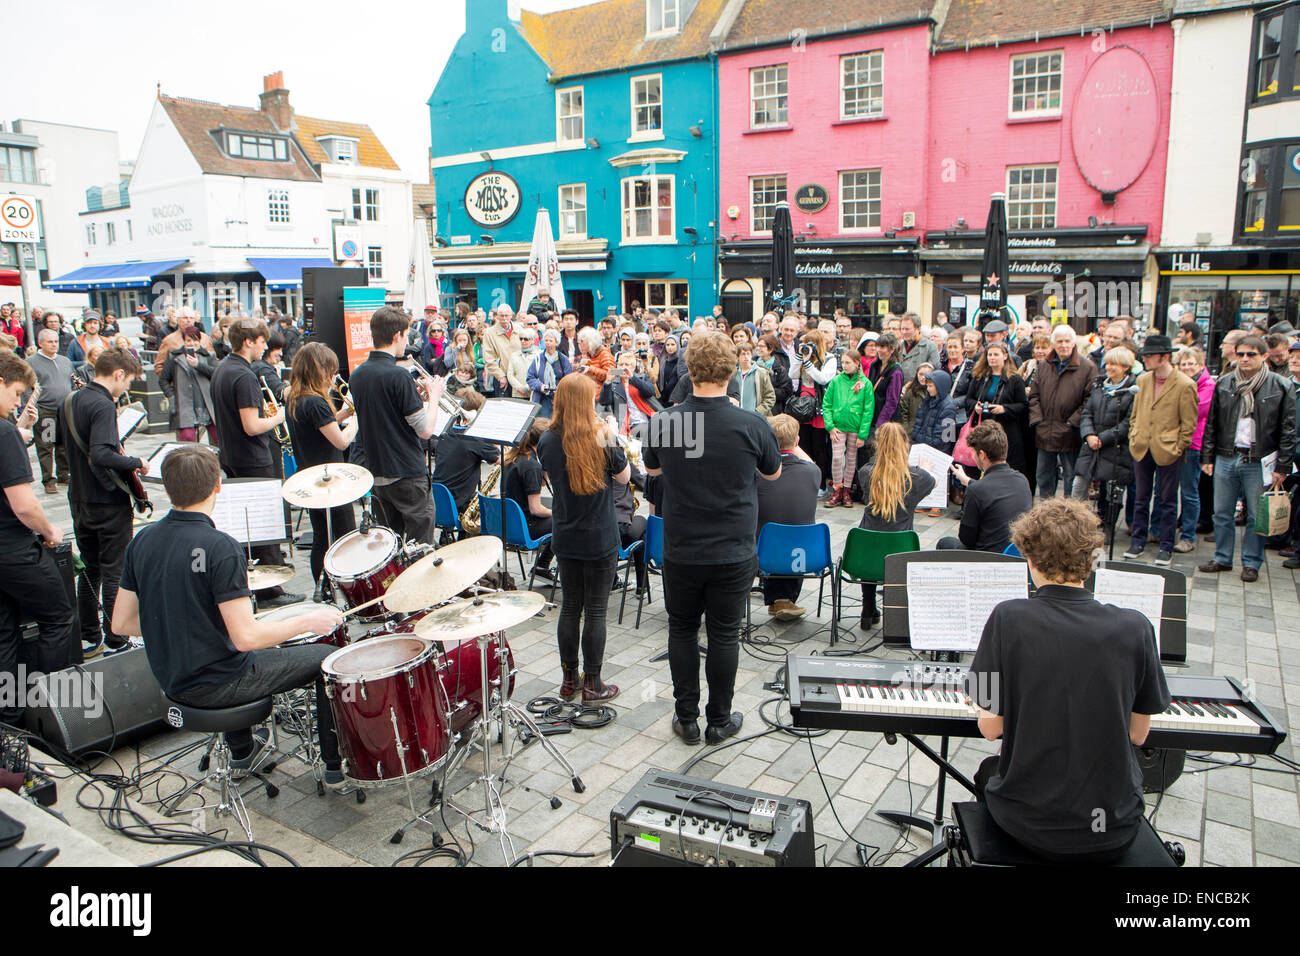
<point x="492" y="199"/>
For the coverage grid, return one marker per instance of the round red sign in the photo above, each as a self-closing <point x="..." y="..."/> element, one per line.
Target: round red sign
<point x="1115" y="122"/>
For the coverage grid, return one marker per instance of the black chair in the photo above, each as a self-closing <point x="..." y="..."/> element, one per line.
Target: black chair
<point x="976" y="840"/>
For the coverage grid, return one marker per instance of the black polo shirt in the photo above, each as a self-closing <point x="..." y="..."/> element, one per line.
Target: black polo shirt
<point x="523" y="477"/>
<point x="385" y="395"/>
<point x="311" y="413"/>
<point x="992" y="503"/>
<point x="792" y="498"/>
<point x="1065" y="673"/>
<point x="94" y="416"/>
<point x="583" y="527"/>
<point x="180" y="569"/>
<point x="15" y="469"/>
<point x="236" y="386"/>
<point x="457" y="462"/>
<point x="711" y="453"/>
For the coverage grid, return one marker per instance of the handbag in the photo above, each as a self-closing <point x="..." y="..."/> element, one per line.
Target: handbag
<point x="803" y="408"/>
<point x="1273" y="513"/>
<point x="961" y="452"/>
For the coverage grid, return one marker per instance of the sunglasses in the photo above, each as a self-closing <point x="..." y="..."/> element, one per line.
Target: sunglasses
<point x="1251" y="354"/>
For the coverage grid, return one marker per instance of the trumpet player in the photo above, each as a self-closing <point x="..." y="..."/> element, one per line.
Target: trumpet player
<point x="244" y="427"/>
<point x="396" y="417"/>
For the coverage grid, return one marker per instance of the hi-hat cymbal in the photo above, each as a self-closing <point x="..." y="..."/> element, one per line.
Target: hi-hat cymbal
<point x="477" y="616"/>
<point x="327" y="486"/>
<point x="440" y="576"/>
<point x="268" y="576"/>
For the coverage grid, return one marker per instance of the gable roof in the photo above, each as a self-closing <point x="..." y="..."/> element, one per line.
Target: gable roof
<point x="370" y="151"/>
<point x="196" y="120"/>
<point x="983" y="22"/>
<point x="610" y="35"/>
<point x="762" y="22"/>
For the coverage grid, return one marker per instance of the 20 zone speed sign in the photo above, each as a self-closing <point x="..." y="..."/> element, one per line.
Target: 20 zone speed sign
<point x="18" y="219"/>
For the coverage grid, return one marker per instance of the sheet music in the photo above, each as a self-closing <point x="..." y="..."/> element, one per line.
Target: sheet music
<point x="502" y="420"/>
<point x="128" y="420"/>
<point x="250" y="510"/>
<point x="159" y="456"/>
<point x="1132" y="590"/>
<point x="948" y="604"/>
<point x="936" y="463"/>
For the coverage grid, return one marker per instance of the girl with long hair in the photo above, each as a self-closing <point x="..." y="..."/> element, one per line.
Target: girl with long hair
<point x="318" y="439"/>
<point x="586" y="469"/>
<point x="893" y="489"/>
<point x="997" y="393"/>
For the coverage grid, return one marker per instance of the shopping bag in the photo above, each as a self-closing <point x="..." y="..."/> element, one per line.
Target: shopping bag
<point x="1273" y="513"/>
<point x="961" y="452"/>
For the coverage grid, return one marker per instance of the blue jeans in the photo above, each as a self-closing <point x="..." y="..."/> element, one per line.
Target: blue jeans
<point x="1149" y="475"/>
<point x="1047" y="465"/>
<point x="1234" y="480"/>
<point x="1189" y="480"/>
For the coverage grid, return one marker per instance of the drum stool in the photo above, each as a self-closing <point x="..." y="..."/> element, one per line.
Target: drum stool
<point x="216" y="722"/>
<point x="976" y="840"/>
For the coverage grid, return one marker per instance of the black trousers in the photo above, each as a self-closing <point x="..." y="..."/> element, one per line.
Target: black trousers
<point x="102" y="532"/>
<point x="781" y="589"/>
<point x="817" y="444"/>
<point x="538" y="526"/>
<point x="408" y="508"/>
<point x="30" y="582"/>
<point x="585" y="600"/>
<point x="716" y="592"/>
<point x="342" y="521"/>
<point x="48" y="451"/>
<point x="636" y="532"/>
<point x="274" y="670"/>
<point x="266" y="553"/>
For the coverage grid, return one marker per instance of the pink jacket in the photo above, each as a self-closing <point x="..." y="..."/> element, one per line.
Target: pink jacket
<point x="1204" y="394"/>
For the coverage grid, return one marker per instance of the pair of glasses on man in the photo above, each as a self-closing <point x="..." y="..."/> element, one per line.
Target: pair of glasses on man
<point x="1250" y="354"/>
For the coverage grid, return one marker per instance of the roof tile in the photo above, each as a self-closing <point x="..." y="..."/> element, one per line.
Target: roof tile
<point x="370" y="151"/>
<point x="982" y="22"/>
<point x="779" y="21"/>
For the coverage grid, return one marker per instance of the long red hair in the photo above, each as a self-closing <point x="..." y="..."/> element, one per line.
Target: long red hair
<point x="573" y="415"/>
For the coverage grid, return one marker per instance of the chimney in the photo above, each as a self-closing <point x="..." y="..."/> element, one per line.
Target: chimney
<point x="275" y="101"/>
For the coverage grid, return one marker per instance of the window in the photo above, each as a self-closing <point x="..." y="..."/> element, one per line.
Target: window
<point x="365" y="204"/>
<point x="662" y="17"/>
<point x="862" y="84"/>
<point x="277" y="206"/>
<point x="573" y="212"/>
<point x="375" y="262"/>
<point x="764" y="193"/>
<point x="17" y="165"/>
<point x="1277" y="54"/>
<point x="664" y="295"/>
<point x="90" y="233"/>
<point x="647" y="107"/>
<point x="110" y="233"/>
<point x="568" y="115"/>
<point x="648" y="213"/>
<point x="345" y="151"/>
<point x="860" y="200"/>
<point x="1036" y="84"/>
<point x="1031" y="197"/>
<point x="256" y="146"/>
<point x="1270" y="191"/>
<point x="768" y="95"/>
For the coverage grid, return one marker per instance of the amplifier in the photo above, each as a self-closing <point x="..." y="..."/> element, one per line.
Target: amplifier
<point x="669" y="819"/>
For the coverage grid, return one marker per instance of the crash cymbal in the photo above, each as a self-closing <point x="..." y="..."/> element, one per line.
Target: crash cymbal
<point x="268" y="576"/>
<point x="440" y="576"/>
<point x="477" y="616"/>
<point x="327" y="486"/>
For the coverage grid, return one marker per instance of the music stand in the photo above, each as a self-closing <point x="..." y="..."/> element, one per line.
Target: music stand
<point x="503" y="422"/>
<point x="1172" y="632"/>
<point x="251" y="510"/>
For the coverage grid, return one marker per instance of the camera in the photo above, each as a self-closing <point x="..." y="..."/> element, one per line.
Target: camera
<point x="642" y="353"/>
<point x="807" y="350"/>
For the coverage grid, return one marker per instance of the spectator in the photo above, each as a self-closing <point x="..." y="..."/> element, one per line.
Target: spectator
<point x="187" y="382"/>
<point x="546" y="371"/>
<point x="817" y="368"/>
<point x="185" y="317"/>
<point x="1189" y="334"/>
<point x="1056" y="401"/>
<point x="520" y="362"/>
<point x="1104" y="427"/>
<point x="913" y="395"/>
<point x="998" y="394"/>
<point x="595" y="359"/>
<point x="500" y="343"/>
<point x="937" y="415"/>
<point x="999" y="497"/>
<point x="791" y="499"/>
<point x="1191" y="362"/>
<point x="772" y="358"/>
<point x="542" y="305"/>
<point x="629" y="396"/>
<point x="752" y="380"/>
<point x="1278" y="344"/>
<point x="54" y="376"/>
<point x="972" y="345"/>
<point x="916" y="349"/>
<point x="79" y="349"/>
<point x="1293" y="559"/>
<point x="886" y="377"/>
<point x="848" y="408"/>
<point x="670" y="369"/>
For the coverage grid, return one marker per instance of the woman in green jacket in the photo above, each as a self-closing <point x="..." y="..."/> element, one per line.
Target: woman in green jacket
<point x="848" y="407"/>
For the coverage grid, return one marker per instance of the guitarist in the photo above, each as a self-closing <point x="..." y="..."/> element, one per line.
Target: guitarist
<point x="99" y="494"/>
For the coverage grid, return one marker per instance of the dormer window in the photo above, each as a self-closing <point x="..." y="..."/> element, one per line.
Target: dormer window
<point x="339" y="149"/>
<point x="662" y="17"/>
<point x="256" y="146"/>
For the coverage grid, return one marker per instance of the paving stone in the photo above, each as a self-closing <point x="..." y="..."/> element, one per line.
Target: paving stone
<point x="1227" y="846"/>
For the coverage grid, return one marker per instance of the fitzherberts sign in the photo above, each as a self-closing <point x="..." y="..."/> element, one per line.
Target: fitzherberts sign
<point x="492" y="199"/>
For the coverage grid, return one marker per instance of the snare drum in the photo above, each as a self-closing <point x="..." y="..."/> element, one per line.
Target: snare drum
<point x="389" y="709"/>
<point x="364" y="566"/>
<point x="338" y="637"/>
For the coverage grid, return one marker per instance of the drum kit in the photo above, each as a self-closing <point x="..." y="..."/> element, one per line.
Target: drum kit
<point x="434" y="673"/>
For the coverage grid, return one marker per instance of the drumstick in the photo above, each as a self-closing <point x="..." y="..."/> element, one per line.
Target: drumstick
<point x="362" y="607"/>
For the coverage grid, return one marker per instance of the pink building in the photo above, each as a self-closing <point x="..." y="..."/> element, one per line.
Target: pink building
<point x="887" y="134"/>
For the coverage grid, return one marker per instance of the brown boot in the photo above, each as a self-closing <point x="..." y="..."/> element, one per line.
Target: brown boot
<point x="571" y="682"/>
<point x="594" y="690"/>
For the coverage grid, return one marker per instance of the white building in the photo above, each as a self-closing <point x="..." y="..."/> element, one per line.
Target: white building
<point x="227" y="205"/>
<point x="54" y="163"/>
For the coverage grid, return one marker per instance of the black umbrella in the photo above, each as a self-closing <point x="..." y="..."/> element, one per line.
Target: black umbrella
<point x="782" y="285"/>
<point x="993" y="274"/>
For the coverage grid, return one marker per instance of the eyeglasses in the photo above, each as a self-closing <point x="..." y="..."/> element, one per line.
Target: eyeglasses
<point x="1250" y="354"/>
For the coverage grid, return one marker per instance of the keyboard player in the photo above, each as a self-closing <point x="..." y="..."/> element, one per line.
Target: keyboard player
<point x="1069" y="685"/>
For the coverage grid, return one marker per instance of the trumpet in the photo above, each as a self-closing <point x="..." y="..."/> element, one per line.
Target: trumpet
<point x="342" y="392"/>
<point x="272" y="408"/>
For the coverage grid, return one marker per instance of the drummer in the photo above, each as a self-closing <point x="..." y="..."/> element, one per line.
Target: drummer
<point x="185" y="590"/>
<point x="318" y="439"/>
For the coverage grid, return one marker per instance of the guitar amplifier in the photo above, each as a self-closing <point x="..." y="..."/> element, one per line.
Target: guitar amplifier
<point x="672" y="820"/>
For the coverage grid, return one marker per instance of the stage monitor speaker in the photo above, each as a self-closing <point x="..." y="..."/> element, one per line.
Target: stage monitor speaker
<point x="322" y="307"/>
<point x="1160" y="767"/>
<point x="104" y="703"/>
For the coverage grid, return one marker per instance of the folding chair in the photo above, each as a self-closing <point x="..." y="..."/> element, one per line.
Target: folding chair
<point x="796" y="551"/>
<point x="517" y="539"/>
<point x="446" y="516"/>
<point x="863" y="561"/>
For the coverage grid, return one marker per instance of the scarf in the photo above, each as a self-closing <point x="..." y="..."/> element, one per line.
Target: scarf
<point x="1247" y="387"/>
<point x="548" y="370"/>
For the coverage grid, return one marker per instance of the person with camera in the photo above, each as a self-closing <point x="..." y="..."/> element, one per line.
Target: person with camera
<point x="647" y="363"/>
<point x="816" y="370"/>
<point x="629" y="395"/>
<point x="187" y="380"/>
<point x="997" y="393"/>
<point x="546" y="370"/>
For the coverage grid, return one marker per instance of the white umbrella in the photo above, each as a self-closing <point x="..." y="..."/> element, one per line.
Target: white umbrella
<point x="421" y="283"/>
<point x="543" y="270"/>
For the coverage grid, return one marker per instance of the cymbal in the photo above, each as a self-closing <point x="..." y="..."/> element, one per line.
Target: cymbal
<point x="477" y="616"/>
<point x="440" y="576"/>
<point x="327" y="486"/>
<point x="268" y="576"/>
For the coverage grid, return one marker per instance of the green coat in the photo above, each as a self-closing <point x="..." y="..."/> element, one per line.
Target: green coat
<point x="846" y="411"/>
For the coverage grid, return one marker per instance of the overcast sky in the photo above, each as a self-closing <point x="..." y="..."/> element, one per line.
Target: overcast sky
<point x="94" y="63"/>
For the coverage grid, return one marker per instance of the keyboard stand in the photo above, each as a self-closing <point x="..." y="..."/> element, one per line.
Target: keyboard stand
<point x="938" y="845"/>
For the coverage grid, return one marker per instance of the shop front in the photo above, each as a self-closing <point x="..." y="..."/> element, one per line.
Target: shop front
<point x="868" y="278"/>
<point x="1086" y="274"/>
<point x="486" y="274"/>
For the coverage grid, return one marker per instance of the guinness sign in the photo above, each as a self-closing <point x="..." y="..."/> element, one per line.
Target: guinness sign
<point x="811" y="198"/>
<point x="492" y="199"/>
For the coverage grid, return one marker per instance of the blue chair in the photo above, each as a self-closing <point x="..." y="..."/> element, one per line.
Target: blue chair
<point x="654" y="557"/>
<point x="518" y="539"/>
<point x="625" y="563"/>
<point x="1012" y="550"/>
<point x="446" y="516"/>
<point x="797" y="551"/>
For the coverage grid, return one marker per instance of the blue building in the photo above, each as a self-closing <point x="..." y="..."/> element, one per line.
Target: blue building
<point x="606" y="116"/>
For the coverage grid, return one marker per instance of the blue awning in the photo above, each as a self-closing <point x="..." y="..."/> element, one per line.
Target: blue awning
<point x="286" y="273"/>
<point x="128" y="275"/>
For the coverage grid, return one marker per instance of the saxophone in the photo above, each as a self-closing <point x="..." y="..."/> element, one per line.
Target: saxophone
<point x="470" y="519"/>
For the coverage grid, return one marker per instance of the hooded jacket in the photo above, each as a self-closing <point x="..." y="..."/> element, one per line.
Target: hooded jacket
<point x="937" y="416"/>
<point x="845" y="410"/>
